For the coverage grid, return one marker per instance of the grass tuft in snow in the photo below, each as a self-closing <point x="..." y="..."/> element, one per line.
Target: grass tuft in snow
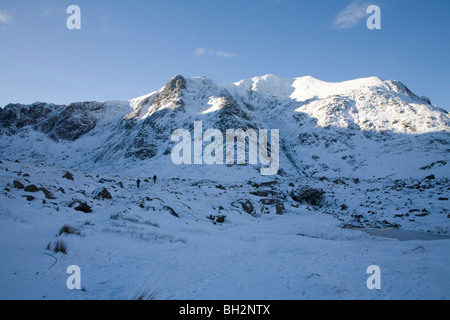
<point x="66" y="229"/>
<point x="145" y="295"/>
<point x="60" y="246"/>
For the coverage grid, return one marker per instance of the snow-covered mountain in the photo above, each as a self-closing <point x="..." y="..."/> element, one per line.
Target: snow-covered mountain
<point x="361" y="128"/>
<point x="358" y="160"/>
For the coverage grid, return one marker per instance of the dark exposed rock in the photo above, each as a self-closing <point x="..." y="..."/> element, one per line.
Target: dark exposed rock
<point x="16" y="116"/>
<point x="423" y="214"/>
<point x="103" y="180"/>
<point x="102" y="194"/>
<point x="171" y="211"/>
<point x="58" y="122"/>
<point x="262" y="184"/>
<point x="31" y="188"/>
<point x="263" y="193"/>
<point x="311" y="196"/>
<point x="247" y="206"/>
<point x="437" y="163"/>
<point x="141" y="154"/>
<point x="29" y="198"/>
<point x="18" y="184"/>
<point x="68" y="176"/>
<point x="265" y="210"/>
<point x="83" y="207"/>
<point x="265" y="184"/>
<point x="220" y="219"/>
<point x="231" y="113"/>
<point x="73" y="122"/>
<point x="339" y="181"/>
<point x="268" y="201"/>
<point x="280" y="208"/>
<point x="171" y="93"/>
<point x="47" y="193"/>
<point x="217" y="219"/>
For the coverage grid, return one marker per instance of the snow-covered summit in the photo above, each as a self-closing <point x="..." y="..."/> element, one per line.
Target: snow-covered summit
<point x="307" y="88"/>
<point x="300" y="88"/>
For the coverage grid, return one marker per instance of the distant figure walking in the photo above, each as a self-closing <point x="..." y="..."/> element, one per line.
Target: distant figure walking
<point x="138" y="183"/>
<point x="154" y="178"/>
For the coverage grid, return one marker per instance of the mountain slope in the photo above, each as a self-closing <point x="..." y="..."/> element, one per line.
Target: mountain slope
<point x="360" y="128"/>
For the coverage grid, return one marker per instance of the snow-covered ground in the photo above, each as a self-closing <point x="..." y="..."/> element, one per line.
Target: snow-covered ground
<point x="363" y="181"/>
<point x="161" y="238"/>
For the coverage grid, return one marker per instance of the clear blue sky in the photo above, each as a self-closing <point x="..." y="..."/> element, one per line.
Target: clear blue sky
<point x="129" y="48"/>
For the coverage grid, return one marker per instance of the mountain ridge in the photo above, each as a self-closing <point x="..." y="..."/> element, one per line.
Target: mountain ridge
<point x="325" y="128"/>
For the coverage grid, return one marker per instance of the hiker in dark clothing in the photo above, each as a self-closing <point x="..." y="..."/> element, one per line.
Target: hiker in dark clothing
<point x="154" y="178"/>
<point x="138" y="183"/>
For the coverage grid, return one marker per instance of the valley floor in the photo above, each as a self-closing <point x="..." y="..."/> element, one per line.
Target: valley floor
<point x="160" y="238"/>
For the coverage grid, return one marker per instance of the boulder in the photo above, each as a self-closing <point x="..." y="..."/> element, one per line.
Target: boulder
<point x="68" y="176"/>
<point x="29" y="198"/>
<point x="247" y="206"/>
<point x="18" y="184"/>
<point x="31" y="188"/>
<point x="102" y="194"/>
<point x="47" y="193"/>
<point x="311" y="196"/>
<point x="83" y="207"/>
<point x="280" y="208"/>
<point x="220" y="219"/>
<point x="217" y="219"/>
